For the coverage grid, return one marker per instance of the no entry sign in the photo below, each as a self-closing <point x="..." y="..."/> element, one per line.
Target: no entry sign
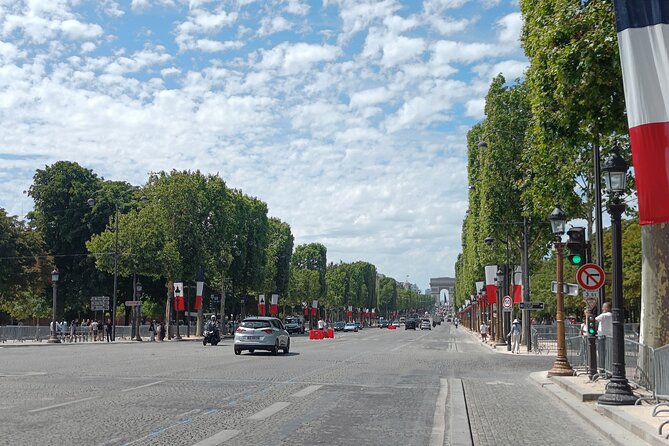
<point x="590" y="277"/>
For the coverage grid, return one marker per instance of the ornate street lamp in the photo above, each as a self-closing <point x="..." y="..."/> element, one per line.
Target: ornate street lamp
<point x="53" y="339"/>
<point x="138" y="308"/>
<point x="618" y="391"/>
<point x="561" y="366"/>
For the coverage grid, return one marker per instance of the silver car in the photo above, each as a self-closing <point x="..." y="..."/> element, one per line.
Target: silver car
<point x="261" y="333"/>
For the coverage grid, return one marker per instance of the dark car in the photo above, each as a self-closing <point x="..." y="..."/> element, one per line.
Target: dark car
<point x="339" y="326"/>
<point x="294" y="325"/>
<point x="410" y="324"/>
<point x="383" y="323"/>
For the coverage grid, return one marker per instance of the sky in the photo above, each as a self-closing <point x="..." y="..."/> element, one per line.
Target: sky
<point x="347" y="117"/>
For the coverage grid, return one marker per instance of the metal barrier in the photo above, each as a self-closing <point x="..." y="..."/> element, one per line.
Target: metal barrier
<point x="27" y="333"/>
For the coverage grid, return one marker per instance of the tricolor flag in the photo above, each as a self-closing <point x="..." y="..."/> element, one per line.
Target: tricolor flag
<point x="261" y="304"/>
<point x="643" y="39"/>
<point x="314" y="308"/>
<point x="199" y="288"/>
<point x="490" y="283"/>
<point x="517" y="287"/>
<point x="274" y="308"/>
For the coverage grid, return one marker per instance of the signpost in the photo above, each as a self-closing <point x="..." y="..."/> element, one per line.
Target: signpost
<point x="531" y="305"/>
<point x="591" y="277"/>
<point x="133" y="303"/>
<point x="567" y="288"/>
<point x="507" y="303"/>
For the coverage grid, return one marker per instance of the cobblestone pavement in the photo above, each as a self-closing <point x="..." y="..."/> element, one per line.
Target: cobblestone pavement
<point x="374" y="387"/>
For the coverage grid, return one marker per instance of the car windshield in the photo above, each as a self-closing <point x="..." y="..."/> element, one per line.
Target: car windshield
<point x="255" y="324"/>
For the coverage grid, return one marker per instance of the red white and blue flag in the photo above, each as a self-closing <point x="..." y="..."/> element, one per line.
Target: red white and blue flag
<point x="643" y="39"/>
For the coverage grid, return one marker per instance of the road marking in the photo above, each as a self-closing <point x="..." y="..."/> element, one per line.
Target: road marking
<point x="67" y="403"/>
<point x="306" y="391"/>
<point x="218" y="438"/>
<point x="497" y="383"/>
<point x="14" y="375"/>
<point x="439" y="419"/>
<point x="141" y="387"/>
<point x="407" y="343"/>
<point x="268" y="412"/>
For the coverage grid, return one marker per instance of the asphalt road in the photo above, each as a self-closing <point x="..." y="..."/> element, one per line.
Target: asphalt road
<point x="374" y="387"/>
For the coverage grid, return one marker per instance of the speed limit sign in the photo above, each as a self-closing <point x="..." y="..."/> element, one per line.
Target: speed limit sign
<point x="507" y="303"/>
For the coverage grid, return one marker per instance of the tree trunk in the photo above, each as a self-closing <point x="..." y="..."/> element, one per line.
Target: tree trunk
<point x="655" y="285"/>
<point x="200" y="318"/>
<point x="222" y="302"/>
<point x="167" y="326"/>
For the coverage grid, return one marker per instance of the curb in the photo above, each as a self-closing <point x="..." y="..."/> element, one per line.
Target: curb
<point x="599" y="417"/>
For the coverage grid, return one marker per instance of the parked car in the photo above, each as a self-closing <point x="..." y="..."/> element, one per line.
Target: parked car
<point x="261" y="333"/>
<point x="425" y="324"/>
<point x="351" y="326"/>
<point x="410" y="324"/>
<point x="359" y="325"/>
<point x="294" y="325"/>
<point x="339" y="326"/>
<point x="383" y="323"/>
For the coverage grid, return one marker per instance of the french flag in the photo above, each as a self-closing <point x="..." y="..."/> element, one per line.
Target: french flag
<point x="643" y="40"/>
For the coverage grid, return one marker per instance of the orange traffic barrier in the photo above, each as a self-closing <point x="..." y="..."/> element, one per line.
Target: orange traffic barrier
<point x="331" y="333"/>
<point x="392" y="327"/>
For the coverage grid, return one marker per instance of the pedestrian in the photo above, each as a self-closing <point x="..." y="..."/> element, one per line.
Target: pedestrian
<point x="604" y="332"/>
<point x="484" y="331"/>
<point x="514" y="333"/>
<point x="152" y="331"/>
<point x="94" y="329"/>
<point x="109" y="330"/>
<point x="321" y="324"/>
<point x="73" y="330"/>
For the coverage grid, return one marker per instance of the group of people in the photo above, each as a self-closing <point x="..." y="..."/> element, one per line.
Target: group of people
<point x="156" y="331"/>
<point x="515" y="334"/>
<point x="88" y="330"/>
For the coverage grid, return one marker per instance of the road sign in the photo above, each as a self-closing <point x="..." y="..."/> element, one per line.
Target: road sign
<point x="99" y="299"/>
<point x="531" y="305"/>
<point x="590" y="294"/>
<point x="590" y="276"/>
<point x="507" y="303"/>
<point x="133" y="303"/>
<point x="567" y="288"/>
<point x="99" y="307"/>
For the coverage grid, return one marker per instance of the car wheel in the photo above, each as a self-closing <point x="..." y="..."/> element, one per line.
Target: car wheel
<point x="286" y="348"/>
<point x="251" y="350"/>
<point x="275" y="350"/>
<point x="238" y="351"/>
<point x="204" y="342"/>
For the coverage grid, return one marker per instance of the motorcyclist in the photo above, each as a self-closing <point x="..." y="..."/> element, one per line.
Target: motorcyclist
<point x="211" y="324"/>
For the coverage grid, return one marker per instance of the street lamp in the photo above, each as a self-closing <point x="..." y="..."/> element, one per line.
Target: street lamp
<point x="53" y="339"/>
<point x="618" y="391"/>
<point x="561" y="366"/>
<point x="138" y="308"/>
<point x="91" y="202"/>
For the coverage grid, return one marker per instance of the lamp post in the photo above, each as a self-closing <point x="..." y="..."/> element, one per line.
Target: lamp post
<point x="618" y="391"/>
<point x="138" y="309"/>
<point x="561" y="366"/>
<point x="53" y="339"/>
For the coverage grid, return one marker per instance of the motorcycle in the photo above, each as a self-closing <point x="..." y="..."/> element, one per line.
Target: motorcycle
<point x="211" y="336"/>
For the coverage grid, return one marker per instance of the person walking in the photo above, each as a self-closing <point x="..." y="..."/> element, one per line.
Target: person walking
<point x="484" y="331"/>
<point x="514" y="333"/>
<point x="109" y="330"/>
<point x="73" y="331"/>
<point x="94" y="329"/>
<point x="604" y="331"/>
<point x="152" y="331"/>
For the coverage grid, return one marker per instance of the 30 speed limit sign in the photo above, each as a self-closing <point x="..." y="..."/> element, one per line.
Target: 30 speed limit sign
<point x="507" y="303"/>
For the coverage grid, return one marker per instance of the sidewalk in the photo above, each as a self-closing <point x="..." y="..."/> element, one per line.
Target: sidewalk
<point x="32" y="343"/>
<point x="622" y="425"/>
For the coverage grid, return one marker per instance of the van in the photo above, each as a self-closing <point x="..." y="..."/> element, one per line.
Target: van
<point x="402" y="320"/>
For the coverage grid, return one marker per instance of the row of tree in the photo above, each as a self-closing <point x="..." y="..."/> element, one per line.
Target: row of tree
<point x="176" y="226"/>
<point x="535" y="148"/>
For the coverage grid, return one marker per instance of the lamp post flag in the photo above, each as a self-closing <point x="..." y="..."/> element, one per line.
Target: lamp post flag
<point x="643" y="39"/>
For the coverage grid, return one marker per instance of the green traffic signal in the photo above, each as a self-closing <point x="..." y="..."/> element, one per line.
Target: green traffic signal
<point x="592" y="331"/>
<point x="576" y="259"/>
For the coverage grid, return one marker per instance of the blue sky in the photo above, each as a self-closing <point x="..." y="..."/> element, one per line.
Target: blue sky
<point x="348" y="118"/>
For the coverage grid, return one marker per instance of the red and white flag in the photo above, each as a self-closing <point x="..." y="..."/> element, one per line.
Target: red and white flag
<point x="643" y="39"/>
<point x="261" y="305"/>
<point x="314" y="308"/>
<point x="491" y="283"/>
<point x="199" y="288"/>
<point x="274" y="308"/>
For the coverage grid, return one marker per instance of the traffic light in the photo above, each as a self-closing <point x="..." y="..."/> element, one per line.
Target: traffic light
<point x="576" y="245"/>
<point x="592" y="325"/>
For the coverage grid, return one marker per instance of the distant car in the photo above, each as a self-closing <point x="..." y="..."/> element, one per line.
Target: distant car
<point x="294" y="325"/>
<point x="383" y="323"/>
<point x="396" y="323"/>
<point x="425" y="324"/>
<point x="359" y="325"/>
<point x="410" y="324"/>
<point x="339" y="326"/>
<point x="261" y="333"/>
<point x="351" y="326"/>
<point x="403" y="320"/>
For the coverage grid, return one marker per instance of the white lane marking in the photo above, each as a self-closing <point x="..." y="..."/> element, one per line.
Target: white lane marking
<point x="439" y="419"/>
<point x="407" y="343"/>
<point x="141" y="387"/>
<point x="218" y="438"/>
<point x="14" y="375"/>
<point x="67" y="403"/>
<point x="306" y="391"/>
<point x="268" y="412"/>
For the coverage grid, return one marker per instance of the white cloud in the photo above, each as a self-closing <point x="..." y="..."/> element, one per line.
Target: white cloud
<point x="297" y="7"/>
<point x="292" y="59"/>
<point x="271" y="25"/>
<point x="510" y="27"/>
